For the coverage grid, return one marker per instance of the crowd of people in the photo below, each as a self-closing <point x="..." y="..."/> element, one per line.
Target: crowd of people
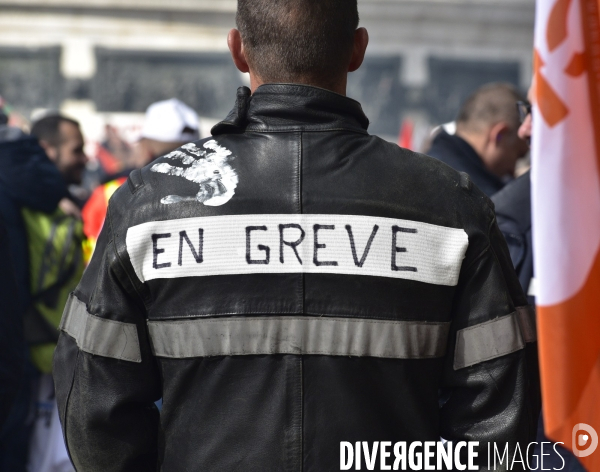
<point x="48" y="235"/>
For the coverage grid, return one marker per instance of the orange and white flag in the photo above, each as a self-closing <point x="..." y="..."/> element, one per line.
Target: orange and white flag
<point x="566" y="219"/>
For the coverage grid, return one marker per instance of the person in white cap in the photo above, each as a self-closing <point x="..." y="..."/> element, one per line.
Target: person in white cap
<point x="168" y="125"/>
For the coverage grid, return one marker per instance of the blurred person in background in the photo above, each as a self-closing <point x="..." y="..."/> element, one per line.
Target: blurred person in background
<point x="63" y="142"/>
<point x="111" y="158"/>
<point x="31" y="188"/>
<point x="513" y="212"/>
<point x="486" y="144"/>
<point x="209" y="284"/>
<point x="56" y="263"/>
<point x="168" y="125"/>
<point x="114" y="152"/>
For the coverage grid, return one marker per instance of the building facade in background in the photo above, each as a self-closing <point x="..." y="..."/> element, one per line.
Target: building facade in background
<point x="96" y="59"/>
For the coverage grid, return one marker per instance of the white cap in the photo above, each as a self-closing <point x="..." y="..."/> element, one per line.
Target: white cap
<point x="171" y="121"/>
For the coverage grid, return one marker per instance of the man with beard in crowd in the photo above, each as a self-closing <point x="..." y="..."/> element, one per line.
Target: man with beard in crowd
<point x="63" y="142"/>
<point x="55" y="242"/>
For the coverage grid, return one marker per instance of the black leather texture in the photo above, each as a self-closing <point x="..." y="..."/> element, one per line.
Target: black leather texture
<point x="298" y="150"/>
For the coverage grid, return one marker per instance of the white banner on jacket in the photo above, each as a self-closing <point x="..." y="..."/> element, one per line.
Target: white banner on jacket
<point x="317" y="244"/>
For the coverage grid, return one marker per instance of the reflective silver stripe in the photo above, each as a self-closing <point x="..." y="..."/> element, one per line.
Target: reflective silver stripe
<point x="487" y="341"/>
<point x="298" y="335"/>
<point x="526" y="317"/>
<point x="98" y="336"/>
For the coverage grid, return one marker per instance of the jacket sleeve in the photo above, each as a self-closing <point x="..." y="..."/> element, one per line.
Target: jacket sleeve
<point x="487" y="375"/>
<point x="105" y="375"/>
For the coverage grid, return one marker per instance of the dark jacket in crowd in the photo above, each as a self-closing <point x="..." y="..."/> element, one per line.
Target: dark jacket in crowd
<point x="11" y="330"/>
<point x="460" y="155"/>
<point x="27" y="178"/>
<point x="288" y="284"/>
<point x="513" y="212"/>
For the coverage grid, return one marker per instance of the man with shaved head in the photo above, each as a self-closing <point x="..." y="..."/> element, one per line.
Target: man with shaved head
<point x="486" y="144"/>
<point x="293" y="285"/>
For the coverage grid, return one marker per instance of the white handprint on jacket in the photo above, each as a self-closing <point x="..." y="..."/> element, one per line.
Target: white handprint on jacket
<point x="208" y="167"/>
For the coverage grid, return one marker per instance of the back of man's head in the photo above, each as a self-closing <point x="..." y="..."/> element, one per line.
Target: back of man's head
<point x="490" y="104"/>
<point x="298" y="41"/>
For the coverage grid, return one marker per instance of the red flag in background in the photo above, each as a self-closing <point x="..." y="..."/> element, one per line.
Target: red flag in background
<point x="405" y="139"/>
<point x="566" y="220"/>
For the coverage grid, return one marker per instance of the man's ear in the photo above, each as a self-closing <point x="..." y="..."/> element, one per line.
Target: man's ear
<point x="236" y="47"/>
<point x="51" y="151"/>
<point x="498" y="132"/>
<point x="361" y="41"/>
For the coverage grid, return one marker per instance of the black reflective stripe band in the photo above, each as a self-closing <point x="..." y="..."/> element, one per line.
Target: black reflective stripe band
<point x="487" y="341"/>
<point x="298" y="335"/>
<point x="526" y="317"/>
<point x="99" y="336"/>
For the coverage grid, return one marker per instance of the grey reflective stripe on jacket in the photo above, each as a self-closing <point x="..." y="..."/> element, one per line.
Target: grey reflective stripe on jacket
<point x="492" y="339"/>
<point x="99" y="336"/>
<point x="298" y="335"/>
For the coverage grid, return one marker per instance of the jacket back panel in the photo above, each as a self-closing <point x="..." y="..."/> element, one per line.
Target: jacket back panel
<point x="321" y="173"/>
<point x="291" y="283"/>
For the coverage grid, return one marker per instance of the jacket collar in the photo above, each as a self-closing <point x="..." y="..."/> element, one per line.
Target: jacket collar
<point x="292" y="107"/>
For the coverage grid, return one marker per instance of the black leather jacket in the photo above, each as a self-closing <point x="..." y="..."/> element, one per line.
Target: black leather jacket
<point x="290" y="283"/>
